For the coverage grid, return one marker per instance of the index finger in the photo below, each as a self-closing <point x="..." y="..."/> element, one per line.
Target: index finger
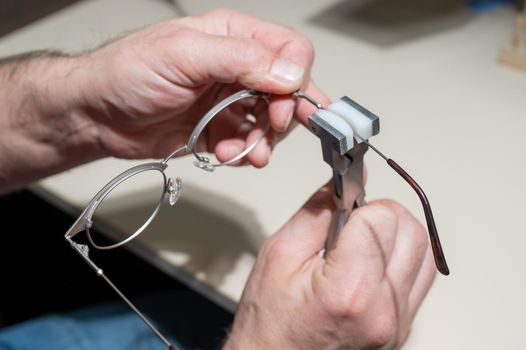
<point x="286" y="43"/>
<point x="365" y="244"/>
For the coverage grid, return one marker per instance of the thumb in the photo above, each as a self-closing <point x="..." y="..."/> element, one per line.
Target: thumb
<point x="366" y="242"/>
<point x="304" y="235"/>
<point x="214" y="58"/>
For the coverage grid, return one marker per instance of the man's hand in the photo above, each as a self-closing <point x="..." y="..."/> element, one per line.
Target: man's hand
<point x="142" y="95"/>
<point x="149" y="89"/>
<point x="362" y="295"/>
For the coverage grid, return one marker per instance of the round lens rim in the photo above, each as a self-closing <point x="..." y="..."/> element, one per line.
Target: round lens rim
<point x="109" y="188"/>
<point x="211" y="114"/>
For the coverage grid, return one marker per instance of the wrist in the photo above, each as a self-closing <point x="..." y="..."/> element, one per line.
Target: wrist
<point x="241" y="339"/>
<point x="46" y="128"/>
<point x="240" y="343"/>
<point x="62" y="97"/>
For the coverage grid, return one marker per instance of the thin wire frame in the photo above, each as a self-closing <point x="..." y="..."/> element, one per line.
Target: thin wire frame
<point x="84" y="223"/>
<point x="140" y="169"/>
<point x="204" y="162"/>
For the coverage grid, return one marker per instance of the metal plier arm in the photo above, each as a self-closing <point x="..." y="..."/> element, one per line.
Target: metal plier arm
<point x="344" y="154"/>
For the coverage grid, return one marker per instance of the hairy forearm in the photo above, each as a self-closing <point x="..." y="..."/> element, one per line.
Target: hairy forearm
<point x="44" y="126"/>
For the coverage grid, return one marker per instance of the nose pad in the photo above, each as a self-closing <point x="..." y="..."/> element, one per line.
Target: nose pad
<point x="204" y="163"/>
<point x="174" y="190"/>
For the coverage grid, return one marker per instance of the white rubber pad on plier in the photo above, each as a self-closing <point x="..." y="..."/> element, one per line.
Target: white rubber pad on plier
<point x="363" y="123"/>
<point x="338" y="123"/>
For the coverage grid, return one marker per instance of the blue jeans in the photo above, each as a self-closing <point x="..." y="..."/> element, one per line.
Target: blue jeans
<point x="111" y="326"/>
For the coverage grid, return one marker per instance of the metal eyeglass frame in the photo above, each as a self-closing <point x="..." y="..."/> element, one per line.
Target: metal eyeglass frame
<point x="204" y="162"/>
<point x="171" y="187"/>
<point x="84" y="223"/>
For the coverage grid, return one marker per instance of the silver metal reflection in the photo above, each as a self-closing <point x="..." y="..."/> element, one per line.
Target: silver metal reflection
<point x="204" y="162"/>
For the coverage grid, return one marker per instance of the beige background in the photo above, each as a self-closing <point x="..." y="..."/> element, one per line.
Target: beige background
<point x="449" y="113"/>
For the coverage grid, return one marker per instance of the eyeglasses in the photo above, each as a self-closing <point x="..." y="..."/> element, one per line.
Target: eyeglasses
<point x="173" y="188"/>
<point x="166" y="187"/>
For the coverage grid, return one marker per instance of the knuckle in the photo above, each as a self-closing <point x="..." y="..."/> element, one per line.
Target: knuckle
<point x="302" y="47"/>
<point x="378" y="218"/>
<point x="391" y="205"/>
<point x="307" y="45"/>
<point x="244" y="55"/>
<point x="407" y="223"/>
<point x="383" y="330"/>
<point x="353" y="299"/>
<point x="355" y="304"/>
<point x="278" y="251"/>
<point x="178" y="42"/>
<point x="274" y="249"/>
<point x="251" y="52"/>
<point x="302" y="40"/>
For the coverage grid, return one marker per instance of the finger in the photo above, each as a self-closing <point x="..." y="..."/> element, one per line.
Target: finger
<point x="229" y="59"/>
<point x="281" y="111"/>
<point x="423" y="283"/>
<point x="244" y="129"/>
<point x="232" y="126"/>
<point x="284" y="42"/>
<point x="408" y="253"/>
<point x="364" y="246"/>
<point x="296" y="49"/>
<point x="229" y="149"/>
<point x="260" y="154"/>
<point x="277" y="137"/>
<point x="283" y="108"/>
<point x="304" y="235"/>
<point x="224" y="126"/>
<point x="304" y="108"/>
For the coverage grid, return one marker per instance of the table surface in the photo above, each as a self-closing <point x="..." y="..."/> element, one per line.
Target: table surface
<point x="449" y="113"/>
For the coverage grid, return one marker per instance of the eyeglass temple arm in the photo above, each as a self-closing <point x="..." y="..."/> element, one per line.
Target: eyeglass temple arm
<point x="438" y="253"/>
<point x="440" y="259"/>
<point x="82" y="250"/>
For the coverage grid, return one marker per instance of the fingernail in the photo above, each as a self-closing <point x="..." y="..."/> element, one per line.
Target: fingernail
<point x="286" y="70"/>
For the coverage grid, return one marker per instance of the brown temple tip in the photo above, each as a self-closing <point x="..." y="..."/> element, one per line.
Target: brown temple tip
<point x="442" y="267"/>
<point x="171" y="347"/>
<point x="440" y="259"/>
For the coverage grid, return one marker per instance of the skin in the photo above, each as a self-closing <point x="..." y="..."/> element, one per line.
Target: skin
<point x="141" y="95"/>
<point x="363" y="294"/>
